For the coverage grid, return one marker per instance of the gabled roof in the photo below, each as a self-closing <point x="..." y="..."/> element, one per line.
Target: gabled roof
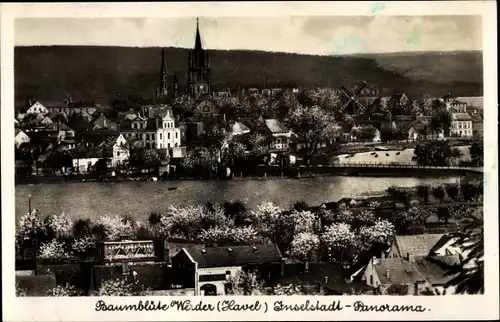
<point x="472" y="101"/>
<point x="436" y="270"/>
<point x="417" y="245"/>
<point x="396" y="271"/>
<point x="240" y="128"/>
<point x="235" y="256"/>
<point x="461" y="117"/>
<point x="275" y="126"/>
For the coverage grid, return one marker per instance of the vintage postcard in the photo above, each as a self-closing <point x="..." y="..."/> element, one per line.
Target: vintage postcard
<point x="249" y="161"/>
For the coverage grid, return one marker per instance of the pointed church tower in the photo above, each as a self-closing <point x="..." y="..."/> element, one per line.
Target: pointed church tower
<point x="199" y="78"/>
<point x="162" y="89"/>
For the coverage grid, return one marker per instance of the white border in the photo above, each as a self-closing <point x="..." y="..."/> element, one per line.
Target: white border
<point x="82" y="309"/>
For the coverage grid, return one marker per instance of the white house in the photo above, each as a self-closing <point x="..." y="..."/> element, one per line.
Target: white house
<point x="37" y="108"/>
<point x="21" y="138"/>
<point x="280" y="135"/>
<point x="168" y="136"/>
<point x="117" y="148"/>
<point x="461" y="125"/>
<point x="157" y="133"/>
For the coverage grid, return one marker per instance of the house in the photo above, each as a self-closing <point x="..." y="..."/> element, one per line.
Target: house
<point x="280" y="135"/>
<point x="36" y="108"/>
<point x="208" y="270"/>
<point x="420" y="129"/>
<point x="157" y="133"/>
<point x="314" y="278"/>
<point x="461" y="125"/>
<point x="239" y="128"/>
<point x="399" y="99"/>
<point x="102" y="122"/>
<point x="475" y="102"/>
<point x="21" y="138"/>
<point x="477" y="125"/>
<point x="382" y="273"/>
<point x="117" y="148"/>
<point x="410" y="246"/>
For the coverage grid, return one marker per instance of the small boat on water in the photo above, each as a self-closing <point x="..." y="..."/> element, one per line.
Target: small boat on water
<point x="381" y="148"/>
<point x="152" y="179"/>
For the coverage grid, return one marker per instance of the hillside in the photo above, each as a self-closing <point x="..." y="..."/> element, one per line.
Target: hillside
<point x="103" y="73"/>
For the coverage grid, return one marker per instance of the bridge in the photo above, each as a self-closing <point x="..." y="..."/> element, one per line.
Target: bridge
<point x="394" y="165"/>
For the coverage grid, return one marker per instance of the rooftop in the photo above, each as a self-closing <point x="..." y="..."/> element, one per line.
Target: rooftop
<point x="235" y="256"/>
<point x="275" y="126"/>
<point x="417" y="245"/>
<point x="461" y="117"/>
<point x="397" y="271"/>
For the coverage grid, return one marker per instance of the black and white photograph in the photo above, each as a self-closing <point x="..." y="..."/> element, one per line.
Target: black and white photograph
<point x="202" y="155"/>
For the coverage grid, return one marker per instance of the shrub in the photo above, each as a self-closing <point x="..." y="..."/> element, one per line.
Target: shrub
<point x="300" y="206"/>
<point x="119" y="287"/>
<point x="53" y="250"/>
<point x="63" y="290"/>
<point x="398" y="289"/>
<point x="438" y="193"/>
<point x="58" y="226"/>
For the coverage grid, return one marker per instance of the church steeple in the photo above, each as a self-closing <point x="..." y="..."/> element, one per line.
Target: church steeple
<point x="162" y="89"/>
<point x="197" y="44"/>
<point x="199" y="80"/>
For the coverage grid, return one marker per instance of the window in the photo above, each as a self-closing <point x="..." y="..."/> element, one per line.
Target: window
<point x="152" y="136"/>
<point x="176" y="135"/>
<point x="160" y="136"/>
<point x="168" y="136"/>
<point x="371" y="279"/>
<point x="168" y="145"/>
<point x="147" y="137"/>
<point x="161" y="146"/>
<point x="176" y="145"/>
<point x="118" y="153"/>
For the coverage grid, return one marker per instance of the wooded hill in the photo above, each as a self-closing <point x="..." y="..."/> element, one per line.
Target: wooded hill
<point x="105" y="73"/>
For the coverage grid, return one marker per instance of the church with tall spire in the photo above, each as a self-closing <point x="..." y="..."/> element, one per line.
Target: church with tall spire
<point x="167" y="86"/>
<point x="199" y="78"/>
<point x="162" y="88"/>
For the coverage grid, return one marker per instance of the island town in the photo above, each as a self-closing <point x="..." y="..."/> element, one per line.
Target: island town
<point x="422" y="239"/>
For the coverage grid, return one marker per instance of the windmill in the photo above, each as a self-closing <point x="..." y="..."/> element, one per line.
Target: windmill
<point x="352" y="102"/>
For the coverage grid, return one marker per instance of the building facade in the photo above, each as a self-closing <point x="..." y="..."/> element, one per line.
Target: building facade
<point x="157" y="133"/>
<point x="461" y="125"/>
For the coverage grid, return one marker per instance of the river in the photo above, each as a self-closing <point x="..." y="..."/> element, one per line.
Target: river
<point x="140" y="198"/>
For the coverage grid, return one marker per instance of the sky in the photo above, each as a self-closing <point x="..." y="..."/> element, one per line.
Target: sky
<point x="317" y="35"/>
